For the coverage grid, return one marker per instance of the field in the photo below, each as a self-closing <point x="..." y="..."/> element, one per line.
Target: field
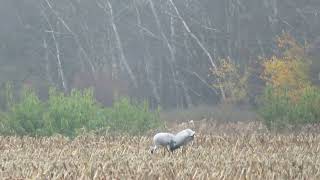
<point x="232" y="151"/>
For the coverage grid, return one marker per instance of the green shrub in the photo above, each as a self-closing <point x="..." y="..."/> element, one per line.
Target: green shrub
<point x="279" y="111"/>
<point x="308" y="108"/>
<point x="25" y="117"/>
<point x="4" y="123"/>
<point x="67" y="114"/>
<point x="74" y="113"/>
<point x="132" y="118"/>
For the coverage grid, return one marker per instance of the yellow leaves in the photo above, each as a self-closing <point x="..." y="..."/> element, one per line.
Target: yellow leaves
<point x="290" y="47"/>
<point x="229" y="77"/>
<point x="285" y="40"/>
<point x="226" y="67"/>
<point x="289" y="71"/>
<point x="285" y="73"/>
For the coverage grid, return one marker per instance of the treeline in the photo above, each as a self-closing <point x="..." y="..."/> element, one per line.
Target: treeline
<point x="171" y="53"/>
<point x="289" y="98"/>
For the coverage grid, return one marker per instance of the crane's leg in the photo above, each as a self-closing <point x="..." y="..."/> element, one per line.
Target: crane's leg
<point x="183" y="150"/>
<point x="153" y="149"/>
<point x="168" y="148"/>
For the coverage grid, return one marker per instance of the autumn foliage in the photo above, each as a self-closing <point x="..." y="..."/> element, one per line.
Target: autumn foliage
<point x="288" y="71"/>
<point x="231" y="79"/>
<point x="290" y="98"/>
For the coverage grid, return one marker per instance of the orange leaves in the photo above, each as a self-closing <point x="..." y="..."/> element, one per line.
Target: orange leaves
<point x="288" y="71"/>
<point x="291" y="75"/>
<point x="285" y="73"/>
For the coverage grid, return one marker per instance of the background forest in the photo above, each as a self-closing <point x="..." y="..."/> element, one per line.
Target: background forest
<point x="168" y="53"/>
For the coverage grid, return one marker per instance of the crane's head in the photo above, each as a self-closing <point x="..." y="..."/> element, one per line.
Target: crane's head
<point x="190" y="132"/>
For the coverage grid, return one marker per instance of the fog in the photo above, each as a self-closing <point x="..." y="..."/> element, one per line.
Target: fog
<point x="161" y="51"/>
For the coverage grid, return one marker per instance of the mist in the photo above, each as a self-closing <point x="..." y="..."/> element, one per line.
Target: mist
<point x="160" y="51"/>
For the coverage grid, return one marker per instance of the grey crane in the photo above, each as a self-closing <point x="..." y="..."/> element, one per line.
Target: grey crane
<point x="162" y="139"/>
<point x="172" y="142"/>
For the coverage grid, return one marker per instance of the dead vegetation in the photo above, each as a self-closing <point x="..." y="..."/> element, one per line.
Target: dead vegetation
<point x="244" y="154"/>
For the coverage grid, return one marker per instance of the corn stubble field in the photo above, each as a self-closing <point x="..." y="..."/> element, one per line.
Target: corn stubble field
<point x="243" y="154"/>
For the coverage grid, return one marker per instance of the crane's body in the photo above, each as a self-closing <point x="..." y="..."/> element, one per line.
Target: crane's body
<point x="172" y="142"/>
<point x="161" y="139"/>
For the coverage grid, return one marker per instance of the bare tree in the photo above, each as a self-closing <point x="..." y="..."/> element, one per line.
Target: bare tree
<point x="57" y="49"/>
<point x="199" y="43"/>
<point x="107" y="6"/>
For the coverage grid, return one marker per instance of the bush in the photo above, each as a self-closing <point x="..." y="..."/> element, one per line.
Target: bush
<point x="67" y="114"/>
<point x="132" y="118"/>
<point x="25" y="117"/>
<point x="73" y="113"/>
<point x="280" y="111"/>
